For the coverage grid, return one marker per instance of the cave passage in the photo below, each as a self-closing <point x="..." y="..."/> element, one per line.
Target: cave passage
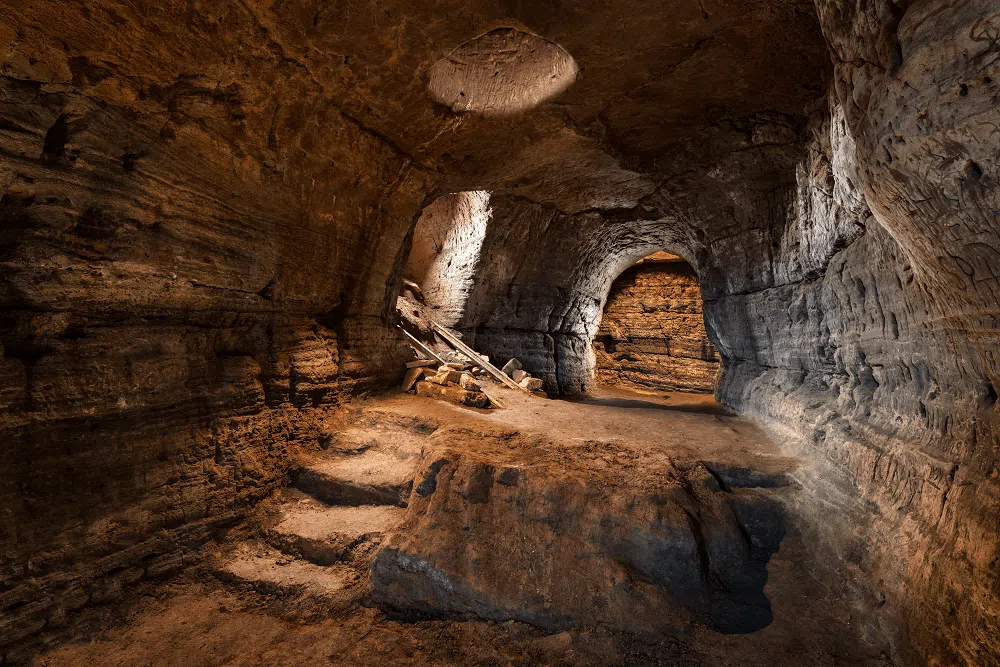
<point x="652" y="333"/>
<point x="344" y="332"/>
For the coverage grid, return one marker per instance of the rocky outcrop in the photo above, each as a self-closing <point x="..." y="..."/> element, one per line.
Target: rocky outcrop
<point x="652" y="333"/>
<point x="642" y="549"/>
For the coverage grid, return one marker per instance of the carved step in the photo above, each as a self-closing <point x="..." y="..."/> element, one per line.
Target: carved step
<point x="326" y="535"/>
<point x="273" y="573"/>
<point x="370" y="478"/>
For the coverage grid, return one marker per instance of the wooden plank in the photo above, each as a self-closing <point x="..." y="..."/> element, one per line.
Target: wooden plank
<point x="426" y="350"/>
<point x="475" y="358"/>
<point x="423" y="348"/>
<point x="493" y="400"/>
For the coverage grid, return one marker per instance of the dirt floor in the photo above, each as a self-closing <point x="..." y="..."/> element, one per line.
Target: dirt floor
<point x="196" y="619"/>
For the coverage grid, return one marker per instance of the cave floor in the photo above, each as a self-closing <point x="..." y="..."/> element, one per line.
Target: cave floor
<point x="198" y="619"/>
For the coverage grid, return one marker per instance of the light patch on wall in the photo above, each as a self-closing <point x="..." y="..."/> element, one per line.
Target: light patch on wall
<point x="502" y="72"/>
<point x="447" y="242"/>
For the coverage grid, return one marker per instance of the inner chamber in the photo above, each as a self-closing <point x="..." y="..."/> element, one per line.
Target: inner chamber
<point x="652" y="334"/>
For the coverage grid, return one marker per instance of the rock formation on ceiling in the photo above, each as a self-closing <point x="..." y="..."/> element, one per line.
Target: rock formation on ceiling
<point x="207" y="209"/>
<point x="652" y="333"/>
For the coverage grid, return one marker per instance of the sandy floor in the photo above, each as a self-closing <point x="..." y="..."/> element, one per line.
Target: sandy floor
<point x="682" y="426"/>
<point x="198" y="621"/>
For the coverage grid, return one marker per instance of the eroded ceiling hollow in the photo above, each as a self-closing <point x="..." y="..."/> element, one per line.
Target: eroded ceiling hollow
<point x="502" y="72"/>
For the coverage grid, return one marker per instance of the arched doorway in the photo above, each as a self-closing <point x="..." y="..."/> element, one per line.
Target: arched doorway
<point x="652" y="332"/>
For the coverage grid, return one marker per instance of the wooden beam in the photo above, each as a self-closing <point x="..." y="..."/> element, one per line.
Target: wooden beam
<point x="423" y="348"/>
<point x="475" y="358"/>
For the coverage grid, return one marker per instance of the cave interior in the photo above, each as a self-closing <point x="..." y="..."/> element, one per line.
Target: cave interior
<point x="746" y="253"/>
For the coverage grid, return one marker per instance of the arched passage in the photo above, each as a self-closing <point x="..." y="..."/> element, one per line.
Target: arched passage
<point x="652" y="332"/>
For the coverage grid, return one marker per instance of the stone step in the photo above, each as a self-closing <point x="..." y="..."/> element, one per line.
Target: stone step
<point x="390" y="437"/>
<point x="326" y="535"/>
<point x="373" y="477"/>
<point x="271" y="572"/>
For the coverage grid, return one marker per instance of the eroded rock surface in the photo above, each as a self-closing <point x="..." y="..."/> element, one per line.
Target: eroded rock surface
<point x="652" y="333"/>
<point x="559" y="549"/>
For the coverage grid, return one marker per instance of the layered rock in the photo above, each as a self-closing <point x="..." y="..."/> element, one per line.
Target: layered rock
<point x="186" y="257"/>
<point x="652" y="333"/>
<point x="887" y="364"/>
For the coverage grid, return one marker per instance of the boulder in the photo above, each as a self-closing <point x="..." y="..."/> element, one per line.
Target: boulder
<point x="445" y="376"/>
<point x="531" y="384"/>
<point x="487" y="537"/>
<point x="467" y="382"/>
<point x="519" y="375"/>
<point x="414" y="375"/>
<point x="511" y="366"/>
<point x="411" y="378"/>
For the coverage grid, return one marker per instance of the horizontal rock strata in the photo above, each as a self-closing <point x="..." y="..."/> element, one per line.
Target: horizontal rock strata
<point x="652" y="333"/>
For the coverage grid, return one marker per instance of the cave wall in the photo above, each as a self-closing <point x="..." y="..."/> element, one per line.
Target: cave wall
<point x="652" y="333"/>
<point x="886" y="362"/>
<point x="445" y="251"/>
<point x="542" y="282"/>
<point x="197" y="247"/>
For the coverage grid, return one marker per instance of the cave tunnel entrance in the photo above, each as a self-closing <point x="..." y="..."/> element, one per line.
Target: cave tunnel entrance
<point x="652" y="334"/>
<point x="447" y="241"/>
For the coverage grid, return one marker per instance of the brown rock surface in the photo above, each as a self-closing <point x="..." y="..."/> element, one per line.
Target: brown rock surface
<point x="453" y="393"/>
<point x="206" y="211"/>
<point x="652" y="333"/>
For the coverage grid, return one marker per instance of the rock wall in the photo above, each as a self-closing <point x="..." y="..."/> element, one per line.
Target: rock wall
<point x="446" y="250"/>
<point x="197" y="247"/>
<point x="652" y="333"/>
<point x="886" y="363"/>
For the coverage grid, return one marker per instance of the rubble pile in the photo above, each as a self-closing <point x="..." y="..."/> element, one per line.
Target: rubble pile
<point x="447" y="368"/>
<point x="523" y="378"/>
<point x="456" y="381"/>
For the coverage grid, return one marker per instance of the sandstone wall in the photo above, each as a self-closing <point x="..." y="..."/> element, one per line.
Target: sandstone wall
<point x="886" y="361"/>
<point x="652" y="333"/>
<point x="446" y="249"/>
<point x="197" y="247"/>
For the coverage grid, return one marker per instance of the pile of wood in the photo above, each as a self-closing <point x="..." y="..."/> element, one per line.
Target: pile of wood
<point x="458" y="374"/>
<point x="453" y="381"/>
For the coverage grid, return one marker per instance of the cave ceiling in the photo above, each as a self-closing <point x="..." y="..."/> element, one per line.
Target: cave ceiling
<point x="652" y="76"/>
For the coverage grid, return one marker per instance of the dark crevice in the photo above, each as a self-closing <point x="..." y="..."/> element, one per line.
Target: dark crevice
<point x="54" y="146"/>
